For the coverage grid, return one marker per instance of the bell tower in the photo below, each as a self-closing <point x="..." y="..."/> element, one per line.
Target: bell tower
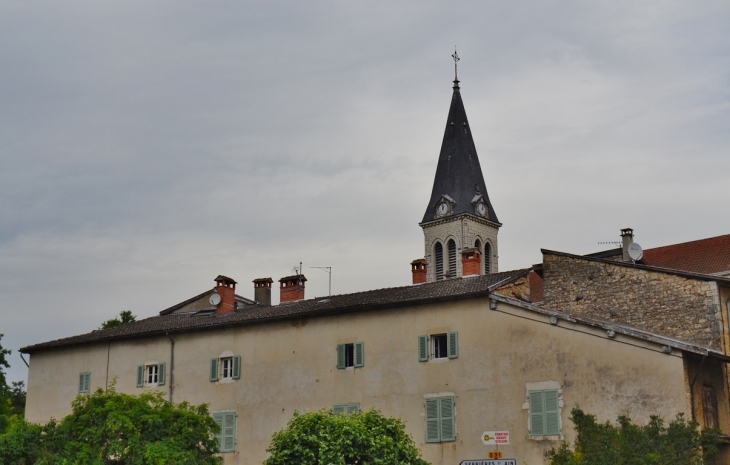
<point x="459" y="215"/>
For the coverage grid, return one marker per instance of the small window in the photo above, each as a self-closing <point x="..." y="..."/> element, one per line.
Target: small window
<point x="440" y="419"/>
<point x="438" y="346"/>
<point x="225" y="368"/>
<point x="438" y="252"/>
<point x="709" y="407"/>
<point x="151" y="374"/>
<point x="346" y="408"/>
<point x="350" y="355"/>
<point x="544" y="413"/>
<point x="84" y="382"/>
<point x="227" y="435"/>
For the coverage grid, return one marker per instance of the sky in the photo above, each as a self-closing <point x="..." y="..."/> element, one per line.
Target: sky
<point x="147" y="147"/>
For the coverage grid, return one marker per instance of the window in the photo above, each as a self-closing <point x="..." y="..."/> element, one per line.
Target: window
<point x="150" y="374"/>
<point x="440" y="419"/>
<point x="439" y="253"/>
<point x="452" y="258"/>
<point x="709" y="407"/>
<point x="346" y="408"/>
<point x="350" y="355"/>
<point x="84" y="382"/>
<point x="225" y="368"/>
<point x="438" y="346"/>
<point x="487" y="258"/>
<point x="544" y="413"/>
<point x="227" y="436"/>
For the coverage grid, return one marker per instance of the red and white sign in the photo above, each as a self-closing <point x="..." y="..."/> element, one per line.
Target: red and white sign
<point x="495" y="438"/>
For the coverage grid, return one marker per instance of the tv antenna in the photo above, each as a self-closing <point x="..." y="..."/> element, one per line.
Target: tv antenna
<point x="617" y="243"/>
<point x="328" y="270"/>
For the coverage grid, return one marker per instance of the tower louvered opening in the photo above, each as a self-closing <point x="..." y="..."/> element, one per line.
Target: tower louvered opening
<point x="439" y="253"/>
<point x="487" y="258"/>
<point x="452" y="258"/>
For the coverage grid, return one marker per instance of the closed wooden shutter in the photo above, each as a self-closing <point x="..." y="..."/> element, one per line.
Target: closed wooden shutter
<point x="213" y="369"/>
<point x="452" y="343"/>
<point x="452" y="258"/>
<point x="439" y="253"/>
<point x="87" y="382"/>
<point x="423" y="348"/>
<point x="709" y="406"/>
<point x="352" y="408"/>
<point x="340" y="356"/>
<point x="161" y="374"/>
<point x="218" y="418"/>
<point x="236" y="367"/>
<point x="537" y="413"/>
<point x="337" y="409"/>
<point x="552" y="413"/>
<point x="487" y="258"/>
<point x="359" y="354"/>
<point x="140" y="375"/>
<point x="432" y="420"/>
<point x="229" y="432"/>
<point x="447" y="425"/>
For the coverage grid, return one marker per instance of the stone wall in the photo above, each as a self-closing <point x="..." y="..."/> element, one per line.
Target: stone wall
<point x="519" y="289"/>
<point x="663" y="303"/>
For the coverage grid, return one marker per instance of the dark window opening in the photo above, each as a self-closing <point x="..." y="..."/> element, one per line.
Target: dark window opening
<point x="452" y="258"/>
<point x="439" y="346"/>
<point x="709" y="406"/>
<point x="349" y="355"/>
<point x="439" y="252"/>
<point x="487" y="258"/>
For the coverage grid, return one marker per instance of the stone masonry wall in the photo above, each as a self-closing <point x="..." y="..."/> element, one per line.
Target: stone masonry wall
<point x="519" y="289"/>
<point x="663" y="303"/>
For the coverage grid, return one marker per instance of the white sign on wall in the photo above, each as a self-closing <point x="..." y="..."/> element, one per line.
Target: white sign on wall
<point x="495" y="438"/>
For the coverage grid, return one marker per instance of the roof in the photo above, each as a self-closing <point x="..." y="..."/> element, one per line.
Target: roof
<point x="616" y="327"/>
<point x="707" y="256"/>
<point x="451" y="289"/>
<point x="239" y="298"/>
<point x="684" y="274"/>
<point x="458" y="174"/>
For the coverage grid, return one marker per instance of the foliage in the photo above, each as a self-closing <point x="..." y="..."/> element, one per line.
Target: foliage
<point x="125" y="316"/>
<point x="17" y="398"/>
<point x="108" y="428"/>
<point x="4" y="389"/>
<point x="678" y="443"/>
<point x="338" y="439"/>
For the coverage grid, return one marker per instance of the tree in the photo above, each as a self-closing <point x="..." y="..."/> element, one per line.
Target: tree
<point x="326" y="438"/>
<point x="678" y="443"/>
<point x="4" y="389"/>
<point x="17" y="398"/>
<point x="108" y="428"/>
<point x="125" y="316"/>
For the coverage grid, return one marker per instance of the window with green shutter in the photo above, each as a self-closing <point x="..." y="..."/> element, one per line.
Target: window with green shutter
<point x="227" y="435"/>
<point x="214" y="369"/>
<point x="423" y="348"/>
<point x="544" y="413"/>
<point x="346" y="408"/>
<point x="440" y="419"/>
<point x="350" y="355"/>
<point x="236" y="367"/>
<point x="225" y="368"/>
<point x="438" y="346"/>
<point x="140" y="375"/>
<point x="160" y="374"/>
<point x="84" y="382"/>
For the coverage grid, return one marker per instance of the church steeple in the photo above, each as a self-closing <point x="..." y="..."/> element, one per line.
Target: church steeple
<point x="459" y="214"/>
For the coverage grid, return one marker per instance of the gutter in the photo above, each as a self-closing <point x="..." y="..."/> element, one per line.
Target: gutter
<point x="172" y="363"/>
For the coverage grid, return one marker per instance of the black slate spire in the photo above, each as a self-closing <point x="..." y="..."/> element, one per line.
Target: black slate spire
<point x="458" y="174"/>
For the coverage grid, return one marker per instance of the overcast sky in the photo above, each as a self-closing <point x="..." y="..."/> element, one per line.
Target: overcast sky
<point x="146" y="147"/>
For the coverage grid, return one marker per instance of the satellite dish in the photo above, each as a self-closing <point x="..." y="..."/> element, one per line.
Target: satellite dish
<point x="635" y="251"/>
<point x="215" y="299"/>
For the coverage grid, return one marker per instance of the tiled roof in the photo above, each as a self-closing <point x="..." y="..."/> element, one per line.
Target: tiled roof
<point x="706" y="256"/>
<point x="452" y="289"/>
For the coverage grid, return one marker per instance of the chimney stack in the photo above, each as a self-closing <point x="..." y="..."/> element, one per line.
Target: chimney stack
<point x="471" y="262"/>
<point x="291" y="288"/>
<point x="419" y="267"/>
<point x="262" y="290"/>
<point x="226" y="288"/>
<point x="627" y="238"/>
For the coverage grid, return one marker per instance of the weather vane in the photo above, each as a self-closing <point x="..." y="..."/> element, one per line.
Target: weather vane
<point x="456" y="58"/>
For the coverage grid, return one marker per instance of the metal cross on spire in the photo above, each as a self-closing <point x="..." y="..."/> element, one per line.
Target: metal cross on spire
<point x="456" y="58"/>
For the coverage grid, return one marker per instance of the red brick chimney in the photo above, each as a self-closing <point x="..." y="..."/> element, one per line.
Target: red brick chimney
<point x="226" y="288"/>
<point x="262" y="290"/>
<point x="292" y="288"/>
<point x="471" y="262"/>
<point x="419" y="267"/>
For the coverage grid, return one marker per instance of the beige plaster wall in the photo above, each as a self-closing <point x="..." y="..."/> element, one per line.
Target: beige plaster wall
<point x="291" y="365"/>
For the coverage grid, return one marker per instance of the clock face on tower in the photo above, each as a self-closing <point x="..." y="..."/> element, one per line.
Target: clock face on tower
<point x="442" y="209"/>
<point x="482" y="209"/>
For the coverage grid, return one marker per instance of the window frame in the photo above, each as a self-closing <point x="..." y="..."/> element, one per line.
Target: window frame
<point x="216" y="368"/>
<point x="220" y="418"/>
<point x="427" y="344"/>
<point x="150" y="370"/>
<point x="440" y="419"/>
<point x="356" y="357"/>
<point x="84" y="382"/>
<point x="544" y="406"/>
<point x="346" y="409"/>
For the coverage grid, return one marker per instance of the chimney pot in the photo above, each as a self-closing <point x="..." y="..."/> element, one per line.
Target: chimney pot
<point x="291" y="288"/>
<point x="226" y="288"/>
<point x="262" y="290"/>
<point x="419" y="267"/>
<point x="627" y="238"/>
<point x="471" y="262"/>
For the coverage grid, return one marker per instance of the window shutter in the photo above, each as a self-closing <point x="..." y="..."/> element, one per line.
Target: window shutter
<point x="218" y="418"/>
<point x="352" y="408"/>
<point x="229" y="432"/>
<point x="236" y="367"/>
<point x="340" y="356"/>
<point x="537" y="413"/>
<point x="552" y="413"/>
<point x="214" y="369"/>
<point x="87" y="382"/>
<point x="337" y="409"/>
<point x="359" y="354"/>
<point x="140" y="375"/>
<point x="432" y="420"/>
<point x="160" y="374"/>
<point x="447" y="424"/>
<point x="423" y="348"/>
<point x="452" y="343"/>
<point x="81" y="382"/>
